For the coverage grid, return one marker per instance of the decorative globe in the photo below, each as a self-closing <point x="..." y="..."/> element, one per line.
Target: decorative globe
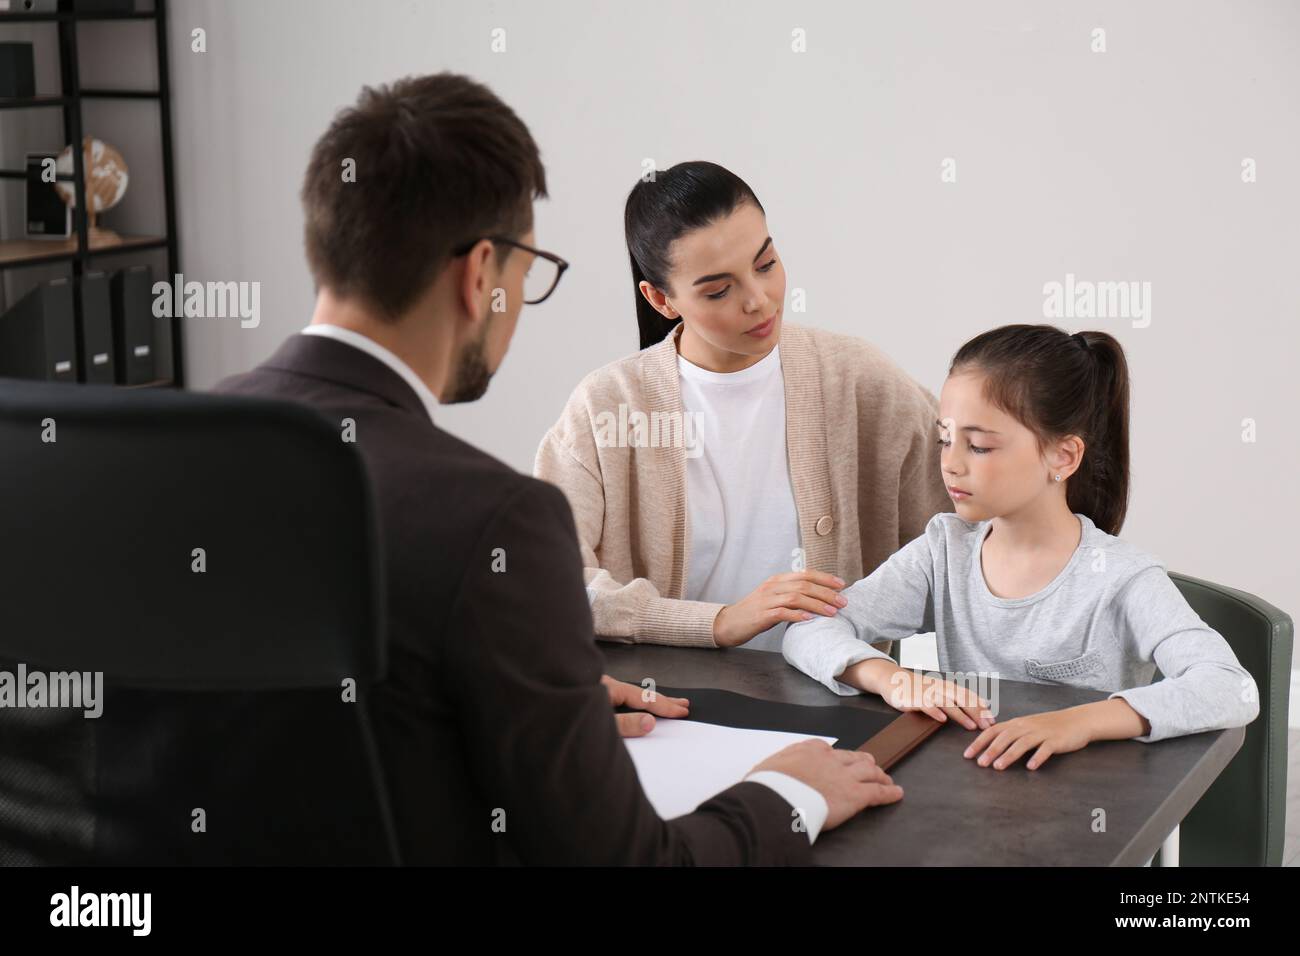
<point x="106" y="176"/>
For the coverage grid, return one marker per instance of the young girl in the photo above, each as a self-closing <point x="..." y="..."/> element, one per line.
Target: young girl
<point x="1027" y="580"/>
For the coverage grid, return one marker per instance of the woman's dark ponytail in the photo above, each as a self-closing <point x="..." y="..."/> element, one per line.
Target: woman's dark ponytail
<point x="661" y="210"/>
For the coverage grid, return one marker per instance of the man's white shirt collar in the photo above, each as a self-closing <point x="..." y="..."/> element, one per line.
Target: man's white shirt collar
<point x="371" y="347"/>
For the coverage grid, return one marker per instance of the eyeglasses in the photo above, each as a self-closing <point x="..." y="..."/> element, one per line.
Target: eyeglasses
<point x="543" y="274"/>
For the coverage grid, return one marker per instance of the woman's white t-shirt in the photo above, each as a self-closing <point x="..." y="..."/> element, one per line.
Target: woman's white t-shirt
<point x="742" y="525"/>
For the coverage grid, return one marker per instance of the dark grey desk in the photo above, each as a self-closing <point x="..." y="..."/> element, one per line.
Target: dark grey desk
<point x="956" y="813"/>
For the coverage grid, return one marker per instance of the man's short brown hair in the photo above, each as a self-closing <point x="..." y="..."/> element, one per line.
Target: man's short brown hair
<point x="439" y="160"/>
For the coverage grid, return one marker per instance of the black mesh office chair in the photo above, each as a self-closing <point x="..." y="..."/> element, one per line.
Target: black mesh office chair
<point x="216" y="558"/>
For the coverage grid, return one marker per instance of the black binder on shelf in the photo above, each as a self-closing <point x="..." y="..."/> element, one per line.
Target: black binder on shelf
<point x="97" y="363"/>
<point x="133" y="345"/>
<point x="38" y="336"/>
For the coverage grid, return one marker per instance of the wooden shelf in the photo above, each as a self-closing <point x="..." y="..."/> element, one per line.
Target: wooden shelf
<point x="33" y="251"/>
<point x="156" y="383"/>
<point x="74" y="15"/>
<point x="22" y="174"/>
<point x="95" y="94"/>
<point x="45" y="100"/>
<point x="33" y="102"/>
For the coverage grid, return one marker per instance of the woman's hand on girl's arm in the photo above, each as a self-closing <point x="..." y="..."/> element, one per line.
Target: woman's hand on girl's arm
<point x="793" y="596"/>
<point x="1056" y="732"/>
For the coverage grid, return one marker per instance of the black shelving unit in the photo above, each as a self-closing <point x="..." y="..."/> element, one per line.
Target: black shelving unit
<point x="17" y="253"/>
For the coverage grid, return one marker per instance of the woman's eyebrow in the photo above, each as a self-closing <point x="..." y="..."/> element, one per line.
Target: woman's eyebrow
<point x="728" y="275"/>
<point x="970" y="428"/>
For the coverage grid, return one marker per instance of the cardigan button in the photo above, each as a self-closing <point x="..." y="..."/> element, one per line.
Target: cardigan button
<point x="824" y="525"/>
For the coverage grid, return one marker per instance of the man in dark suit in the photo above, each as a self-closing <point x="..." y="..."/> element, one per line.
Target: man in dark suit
<point x="494" y="722"/>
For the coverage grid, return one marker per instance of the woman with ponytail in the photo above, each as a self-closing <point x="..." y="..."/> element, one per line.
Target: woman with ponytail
<point x="1028" y="580"/>
<point x="733" y="474"/>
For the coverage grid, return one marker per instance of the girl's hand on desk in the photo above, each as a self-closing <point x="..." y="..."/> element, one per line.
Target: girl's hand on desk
<point x="1055" y="732"/>
<point x="632" y="695"/>
<point x="905" y="689"/>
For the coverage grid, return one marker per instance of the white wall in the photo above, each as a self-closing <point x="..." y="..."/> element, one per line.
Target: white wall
<point x="1123" y="165"/>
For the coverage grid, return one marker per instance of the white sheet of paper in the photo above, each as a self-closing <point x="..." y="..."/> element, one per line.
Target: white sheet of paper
<point x="682" y="763"/>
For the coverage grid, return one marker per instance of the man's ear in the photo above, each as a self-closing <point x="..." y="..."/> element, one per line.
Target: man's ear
<point x="658" y="300"/>
<point x="477" y="278"/>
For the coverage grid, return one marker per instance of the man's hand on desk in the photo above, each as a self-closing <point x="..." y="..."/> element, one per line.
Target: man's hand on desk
<point x="849" y="780"/>
<point x="631" y="695"/>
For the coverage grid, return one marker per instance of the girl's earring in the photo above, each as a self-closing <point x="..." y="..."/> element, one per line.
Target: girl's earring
<point x="1058" y="477"/>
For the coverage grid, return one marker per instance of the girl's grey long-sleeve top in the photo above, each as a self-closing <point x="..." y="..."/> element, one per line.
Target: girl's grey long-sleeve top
<point x="1105" y="622"/>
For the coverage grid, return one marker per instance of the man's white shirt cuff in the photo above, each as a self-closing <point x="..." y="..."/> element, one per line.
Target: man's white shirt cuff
<point x="809" y="802"/>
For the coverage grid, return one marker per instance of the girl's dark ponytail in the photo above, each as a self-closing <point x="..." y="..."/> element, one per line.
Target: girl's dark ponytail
<point x="1102" y="494"/>
<point x="661" y="210"/>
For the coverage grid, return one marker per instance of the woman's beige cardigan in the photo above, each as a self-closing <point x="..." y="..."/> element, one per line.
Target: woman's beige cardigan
<point x="864" y="464"/>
